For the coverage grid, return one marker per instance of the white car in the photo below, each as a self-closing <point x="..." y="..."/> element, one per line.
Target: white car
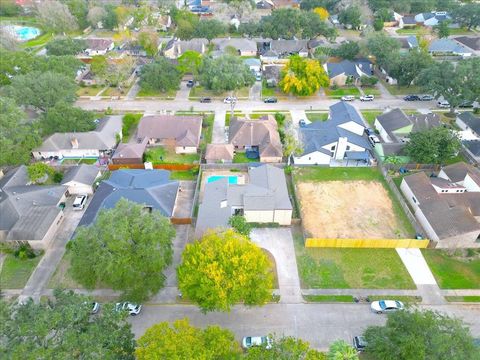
<point x="443" y="104"/>
<point x="79" y="202"/>
<point x="230" y="99"/>
<point x="133" y="309"/>
<point x="373" y="139"/>
<point x="348" y="98"/>
<point x="250" y="341"/>
<point x="385" y="306"/>
<point x="95" y="307"/>
<point x="367" y="98"/>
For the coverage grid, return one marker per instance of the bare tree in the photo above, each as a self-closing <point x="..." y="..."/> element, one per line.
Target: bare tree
<point x="56" y="16"/>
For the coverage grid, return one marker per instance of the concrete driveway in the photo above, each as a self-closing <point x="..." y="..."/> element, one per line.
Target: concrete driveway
<point x="298" y="115"/>
<point x="218" y="136"/>
<point x="279" y="242"/>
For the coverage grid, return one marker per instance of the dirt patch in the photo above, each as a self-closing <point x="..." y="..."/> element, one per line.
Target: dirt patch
<point x="348" y="209"/>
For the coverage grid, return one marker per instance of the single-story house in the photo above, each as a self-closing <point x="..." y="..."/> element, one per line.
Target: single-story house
<point x="469" y="123"/>
<point x="253" y="64"/>
<point x="274" y="50"/>
<point x="340" y="138"/>
<point x="130" y="153"/>
<point x="175" y="48"/>
<point x="264" y="199"/>
<point x="448" y="47"/>
<point x="219" y="153"/>
<point x="133" y="49"/>
<point x="28" y="212"/>
<point x="80" y="179"/>
<point x="432" y="18"/>
<point x="97" y="46"/>
<point x="87" y="78"/>
<point x="470" y="42"/>
<point x="447" y="206"/>
<point x="244" y="47"/>
<point x="258" y="135"/>
<point x="180" y="132"/>
<point x="407" y="21"/>
<point x="271" y="74"/>
<point x="91" y="144"/>
<point x="342" y="72"/>
<point x="264" y="5"/>
<point x="152" y="188"/>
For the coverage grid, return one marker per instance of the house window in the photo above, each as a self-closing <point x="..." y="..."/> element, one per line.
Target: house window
<point x="309" y="158"/>
<point x="332" y="148"/>
<point x="348" y="147"/>
<point x="414" y="200"/>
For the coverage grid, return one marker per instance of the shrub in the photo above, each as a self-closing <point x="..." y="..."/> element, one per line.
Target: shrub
<point x="280" y="118"/>
<point x="57" y="177"/>
<point x="24" y="251"/>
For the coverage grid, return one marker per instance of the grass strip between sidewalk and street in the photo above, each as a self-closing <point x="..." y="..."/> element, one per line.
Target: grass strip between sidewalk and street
<point x="329" y="298"/>
<point x="472" y="299"/>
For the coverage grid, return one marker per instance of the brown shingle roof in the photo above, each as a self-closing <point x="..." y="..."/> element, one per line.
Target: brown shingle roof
<point x="217" y="152"/>
<point x="98" y="44"/>
<point x="457" y="172"/>
<point x="130" y="151"/>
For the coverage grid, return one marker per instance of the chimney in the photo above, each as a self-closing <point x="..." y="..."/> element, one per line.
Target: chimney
<point x="74" y="142"/>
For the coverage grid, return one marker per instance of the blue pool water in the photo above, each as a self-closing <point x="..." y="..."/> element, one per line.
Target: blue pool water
<point x="23" y="33"/>
<point x="231" y="179"/>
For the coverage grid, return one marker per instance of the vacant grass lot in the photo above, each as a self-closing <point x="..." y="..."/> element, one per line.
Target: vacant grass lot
<point x="317" y="116"/>
<point x="325" y="268"/>
<point x="338" y="93"/>
<point x="370" y="115"/>
<point x="199" y="91"/>
<point x="16" y="272"/>
<point x="169" y="95"/>
<point x="161" y="155"/>
<point x="88" y="91"/>
<point x="452" y="272"/>
<point x="402" y="90"/>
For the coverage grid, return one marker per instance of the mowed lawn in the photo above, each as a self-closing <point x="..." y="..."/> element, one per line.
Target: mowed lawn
<point x="453" y="272"/>
<point x="327" y="268"/>
<point x="16" y="272"/>
<point x="161" y="155"/>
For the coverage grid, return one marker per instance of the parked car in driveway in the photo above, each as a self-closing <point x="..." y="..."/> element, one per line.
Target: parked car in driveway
<point x="131" y="308"/>
<point x="385" y="306"/>
<point x="426" y="97"/>
<point x="270" y="100"/>
<point x="79" y="202"/>
<point x="359" y="343"/>
<point x="370" y="131"/>
<point x="230" y="99"/>
<point x="190" y="83"/>
<point x="250" y="341"/>
<point x="373" y="139"/>
<point x="411" y="98"/>
<point x="348" y="98"/>
<point x="367" y="98"/>
<point x="205" y="100"/>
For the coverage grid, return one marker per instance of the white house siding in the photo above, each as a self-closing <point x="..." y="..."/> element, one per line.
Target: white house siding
<point x="45" y="242"/>
<point x="470" y="184"/>
<point x="248" y="53"/>
<point x="283" y="217"/>
<point x="407" y="192"/>
<point x="432" y="235"/>
<point x="467" y="240"/>
<point x="259" y="216"/>
<point x="75" y="188"/>
<point x="353" y="127"/>
<point x="381" y="130"/>
<point x="314" y="158"/>
<point x="185" y="149"/>
<point x="67" y="153"/>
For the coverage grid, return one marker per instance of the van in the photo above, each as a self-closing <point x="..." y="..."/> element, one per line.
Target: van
<point x="79" y="202"/>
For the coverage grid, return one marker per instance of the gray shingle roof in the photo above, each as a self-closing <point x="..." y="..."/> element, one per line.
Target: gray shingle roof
<point x="393" y="120"/>
<point x="447" y="46"/>
<point x="471" y="121"/>
<point x="471" y="42"/>
<point x="84" y="174"/>
<point x="355" y="68"/>
<point x="473" y="146"/>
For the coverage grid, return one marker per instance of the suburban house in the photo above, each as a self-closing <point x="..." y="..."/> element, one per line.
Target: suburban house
<point x="244" y="47"/>
<point x="406" y="21"/>
<point x="263" y="199"/>
<point x="346" y="71"/>
<point x="28" y="212"/>
<point x="80" y="179"/>
<point x="91" y="144"/>
<point x="277" y="4"/>
<point x="179" y="132"/>
<point x="432" y="18"/>
<point x="175" y="48"/>
<point x="254" y="65"/>
<point x="130" y="153"/>
<point x="338" y="139"/>
<point x="447" y="206"/>
<point x="470" y="42"/>
<point x="470" y="134"/>
<point x="152" y="188"/>
<point x="98" y="46"/>
<point x="272" y="74"/>
<point x="258" y="135"/>
<point x="264" y="5"/>
<point x="448" y="47"/>
<point x="275" y="50"/>
<point x="219" y="153"/>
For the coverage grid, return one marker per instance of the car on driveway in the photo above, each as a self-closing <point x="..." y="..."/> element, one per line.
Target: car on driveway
<point x="270" y="100"/>
<point x="190" y="83"/>
<point x="373" y="139"/>
<point x="426" y="97"/>
<point x="79" y="202"/>
<point x="386" y="306"/>
<point x="367" y="98"/>
<point x="359" y="343"/>
<point x="131" y="308"/>
<point x="205" y="100"/>
<point x="443" y="104"/>
<point x="411" y="98"/>
<point x="302" y="123"/>
<point x="230" y="100"/>
<point x="250" y="341"/>
<point x="348" y="98"/>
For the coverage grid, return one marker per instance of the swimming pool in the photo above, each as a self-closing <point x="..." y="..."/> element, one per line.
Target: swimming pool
<point x="23" y="33"/>
<point x="231" y="179"/>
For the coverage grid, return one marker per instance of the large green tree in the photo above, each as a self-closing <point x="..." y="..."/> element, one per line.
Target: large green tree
<point x="312" y="4"/>
<point x="64" y="117"/>
<point x="348" y="50"/>
<point x="65" y="46"/>
<point x="209" y="29"/>
<point x="189" y="62"/>
<point x="79" y="9"/>
<point x="351" y="16"/>
<point x="42" y="89"/>
<point x="380" y="45"/>
<point x="56" y="17"/>
<point x="303" y="76"/>
<point x="341" y="350"/>
<point x="225" y="73"/>
<point x="181" y="341"/>
<point x="455" y="83"/>
<point x="467" y="15"/>
<point x="222" y="269"/>
<point x="285" y="348"/>
<point x="405" y="68"/>
<point x="127" y="248"/>
<point x="421" y="334"/>
<point x="434" y="146"/>
<point x="63" y="328"/>
<point x="160" y="75"/>
<point x="17" y="136"/>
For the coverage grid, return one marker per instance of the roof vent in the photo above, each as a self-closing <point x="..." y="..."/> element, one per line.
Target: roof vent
<point x="223" y="204"/>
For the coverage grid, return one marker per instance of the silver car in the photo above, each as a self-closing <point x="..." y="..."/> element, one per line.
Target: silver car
<point x="385" y="306"/>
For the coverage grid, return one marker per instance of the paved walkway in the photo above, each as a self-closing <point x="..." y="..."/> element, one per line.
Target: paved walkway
<point x="279" y="243"/>
<point x="183" y="93"/>
<point x="132" y="93"/>
<point x="218" y="136"/>
<point x="255" y="92"/>
<point x="385" y="94"/>
<point x="298" y="115"/>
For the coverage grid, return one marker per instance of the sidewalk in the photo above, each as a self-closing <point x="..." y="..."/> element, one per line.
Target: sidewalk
<point x="219" y="127"/>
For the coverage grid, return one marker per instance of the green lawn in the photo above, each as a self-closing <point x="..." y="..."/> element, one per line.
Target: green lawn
<point x="328" y="298"/>
<point x="130" y="123"/>
<point x="402" y="90"/>
<point x="242" y="158"/>
<point x="38" y="41"/>
<point x="114" y="91"/>
<point x="342" y="91"/>
<point x="207" y="129"/>
<point x="415" y="30"/>
<point x="199" y="91"/>
<point x="170" y="94"/>
<point x="61" y="277"/>
<point x="372" y="91"/>
<point x="452" y="272"/>
<point x="474" y="299"/>
<point x="88" y="91"/>
<point x="328" y="268"/>
<point x="228" y="115"/>
<point x="317" y="116"/>
<point x="268" y="91"/>
<point x="87" y="161"/>
<point x="161" y="155"/>
<point x="184" y="175"/>
<point x="370" y="116"/>
<point x="15" y="272"/>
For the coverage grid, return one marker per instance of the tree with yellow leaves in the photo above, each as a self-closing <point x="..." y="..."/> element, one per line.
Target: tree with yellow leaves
<point x="303" y="77"/>
<point x="322" y="13"/>
<point x="222" y="269"/>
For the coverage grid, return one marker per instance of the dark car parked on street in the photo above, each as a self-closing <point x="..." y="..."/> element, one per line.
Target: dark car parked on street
<point x="270" y="100"/>
<point x="411" y="98"/>
<point x="205" y="100"/>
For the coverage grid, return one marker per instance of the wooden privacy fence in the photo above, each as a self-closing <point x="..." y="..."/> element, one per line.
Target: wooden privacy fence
<point x="173" y="167"/>
<point x="366" y="243"/>
<point x="181" y="221"/>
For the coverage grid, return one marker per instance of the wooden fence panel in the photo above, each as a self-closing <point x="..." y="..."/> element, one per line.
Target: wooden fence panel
<point x="181" y="221"/>
<point x="172" y="167"/>
<point x="366" y="243"/>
